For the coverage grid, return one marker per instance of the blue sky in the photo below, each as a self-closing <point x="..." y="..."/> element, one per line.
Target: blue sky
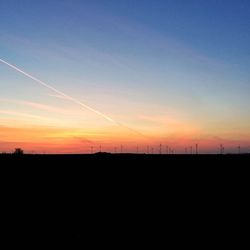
<point x="133" y="59"/>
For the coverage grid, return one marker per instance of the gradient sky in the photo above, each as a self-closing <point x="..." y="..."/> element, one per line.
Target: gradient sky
<point x="174" y="72"/>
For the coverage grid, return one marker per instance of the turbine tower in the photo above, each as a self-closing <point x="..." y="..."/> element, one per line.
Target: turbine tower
<point x="166" y="149"/>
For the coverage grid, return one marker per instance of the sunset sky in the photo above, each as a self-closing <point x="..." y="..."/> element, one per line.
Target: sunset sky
<point x="170" y="72"/>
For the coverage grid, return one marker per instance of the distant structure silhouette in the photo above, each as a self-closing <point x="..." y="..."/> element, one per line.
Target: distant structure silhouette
<point x="160" y="149"/>
<point x="222" y="149"/>
<point x="18" y="151"/>
<point x="196" y="149"/>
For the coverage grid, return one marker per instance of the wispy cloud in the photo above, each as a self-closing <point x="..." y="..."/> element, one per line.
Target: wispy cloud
<point x="44" y="107"/>
<point x="14" y="113"/>
<point x="58" y="96"/>
<point x="169" y="124"/>
<point x="39" y="106"/>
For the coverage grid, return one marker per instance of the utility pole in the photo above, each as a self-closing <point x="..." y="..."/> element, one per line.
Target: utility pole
<point x="160" y="149"/>
<point x="196" y="149"/>
<point x="147" y="149"/>
<point x="191" y="150"/>
<point x="100" y="147"/>
<point x="239" y="149"/>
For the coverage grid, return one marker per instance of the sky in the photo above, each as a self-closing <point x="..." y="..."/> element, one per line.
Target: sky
<point x="170" y="72"/>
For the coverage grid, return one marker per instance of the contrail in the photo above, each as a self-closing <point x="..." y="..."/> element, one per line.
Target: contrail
<point x="59" y="92"/>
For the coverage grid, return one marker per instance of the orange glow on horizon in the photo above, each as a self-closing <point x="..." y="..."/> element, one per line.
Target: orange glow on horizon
<point x="59" y="140"/>
<point x="39" y="128"/>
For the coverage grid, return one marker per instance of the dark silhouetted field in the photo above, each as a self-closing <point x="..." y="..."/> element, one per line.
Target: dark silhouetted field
<point x="129" y="160"/>
<point x="72" y="198"/>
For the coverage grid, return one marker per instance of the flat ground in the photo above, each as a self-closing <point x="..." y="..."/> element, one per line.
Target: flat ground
<point x="137" y="160"/>
<point x="70" y="198"/>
